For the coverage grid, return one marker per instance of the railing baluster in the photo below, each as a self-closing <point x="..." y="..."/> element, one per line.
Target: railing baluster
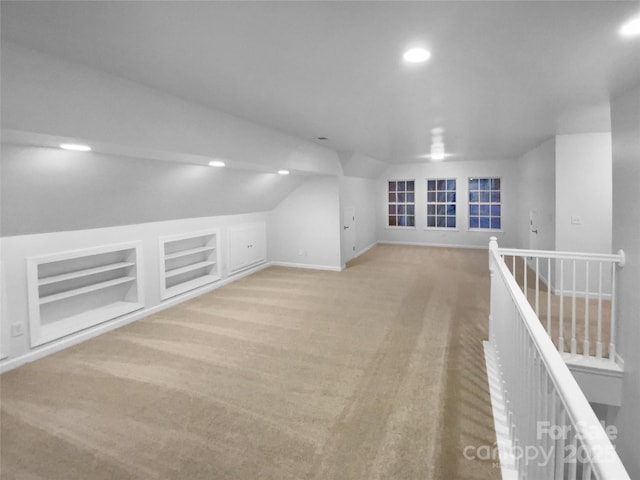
<point x="586" y="471"/>
<point x="549" y="297"/>
<point x="612" y="326"/>
<point x="599" y="338"/>
<point x="537" y="288"/>
<point x="585" y="346"/>
<point x="573" y="451"/>
<point x="561" y="315"/>
<point x="574" y="342"/>
<point x="525" y="269"/>
<point x="561" y="422"/>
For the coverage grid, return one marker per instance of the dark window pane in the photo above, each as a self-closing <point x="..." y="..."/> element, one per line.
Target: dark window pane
<point x="473" y="222"/>
<point x="451" y="196"/>
<point x="411" y="197"/>
<point x="410" y="186"/>
<point x="495" y="184"/>
<point x="451" y="184"/>
<point x="431" y="209"/>
<point x="392" y="220"/>
<point x="485" y="184"/>
<point x="473" y="184"/>
<point x="441" y="222"/>
<point x="402" y="186"/>
<point x="431" y="221"/>
<point x="485" y="196"/>
<point x="411" y="209"/>
<point x="484" y="222"/>
<point x="442" y="196"/>
<point x="451" y="209"/>
<point x="402" y="221"/>
<point x="401" y="210"/>
<point x="400" y="197"/>
<point x="451" y="222"/>
<point x="495" y="210"/>
<point x="392" y="197"/>
<point x="473" y="196"/>
<point x="441" y="209"/>
<point x="442" y="184"/>
<point x="431" y="196"/>
<point x="495" y="223"/>
<point x="474" y="209"/>
<point x="495" y="197"/>
<point x="392" y="209"/>
<point x="411" y="221"/>
<point x="392" y="186"/>
<point x="431" y="185"/>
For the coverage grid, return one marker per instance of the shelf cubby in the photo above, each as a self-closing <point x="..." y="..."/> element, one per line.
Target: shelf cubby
<point x="72" y="291"/>
<point x="188" y="261"/>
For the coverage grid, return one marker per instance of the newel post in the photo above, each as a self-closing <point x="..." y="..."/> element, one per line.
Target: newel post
<point x="493" y="248"/>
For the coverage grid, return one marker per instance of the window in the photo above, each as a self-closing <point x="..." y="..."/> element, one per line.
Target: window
<point x="402" y="197"/>
<point x="485" y="208"/>
<point x="441" y="203"/>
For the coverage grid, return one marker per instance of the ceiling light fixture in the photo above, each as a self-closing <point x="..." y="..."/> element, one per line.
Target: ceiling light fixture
<point x="283" y="172"/>
<point x="630" y="28"/>
<point x="75" y="147"/>
<point x="322" y="138"/>
<point x="216" y="163"/>
<point x="416" y="55"/>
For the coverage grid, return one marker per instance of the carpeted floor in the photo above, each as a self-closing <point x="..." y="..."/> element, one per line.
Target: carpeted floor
<point x="376" y="372"/>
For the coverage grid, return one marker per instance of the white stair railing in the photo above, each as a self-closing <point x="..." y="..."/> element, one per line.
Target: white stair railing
<point x="573" y="294"/>
<point x="553" y="430"/>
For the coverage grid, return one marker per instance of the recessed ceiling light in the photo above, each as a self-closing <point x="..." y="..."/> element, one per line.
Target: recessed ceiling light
<point x="323" y="138"/>
<point x="75" y="147"/>
<point x="283" y="172"/>
<point x="630" y="28"/>
<point x="416" y="55"/>
<point x="216" y="163"/>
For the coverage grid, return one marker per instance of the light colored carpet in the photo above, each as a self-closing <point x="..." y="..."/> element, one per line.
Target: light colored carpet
<point x="376" y="372"/>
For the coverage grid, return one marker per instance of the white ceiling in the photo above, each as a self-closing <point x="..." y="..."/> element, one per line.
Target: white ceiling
<point x="502" y="77"/>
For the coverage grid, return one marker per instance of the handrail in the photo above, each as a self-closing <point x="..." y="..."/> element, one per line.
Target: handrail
<point x="618" y="258"/>
<point x="602" y="458"/>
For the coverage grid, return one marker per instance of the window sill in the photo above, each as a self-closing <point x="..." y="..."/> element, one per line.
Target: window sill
<point x="441" y="229"/>
<point x="485" y="230"/>
<point x="399" y="228"/>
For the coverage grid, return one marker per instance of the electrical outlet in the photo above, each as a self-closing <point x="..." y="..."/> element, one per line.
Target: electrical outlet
<point x="576" y="220"/>
<point x="17" y="329"/>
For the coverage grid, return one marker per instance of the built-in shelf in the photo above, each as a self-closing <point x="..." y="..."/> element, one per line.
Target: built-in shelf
<point x="84" y="273"/>
<point x="80" y="291"/>
<point x="190" y="251"/>
<point x="188" y="261"/>
<point x="71" y="291"/>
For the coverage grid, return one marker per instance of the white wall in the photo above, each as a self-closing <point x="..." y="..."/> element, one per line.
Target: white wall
<point x="625" y="119"/>
<point x="304" y="229"/>
<point x="14" y="250"/>
<point x="583" y="191"/>
<point x="537" y="191"/>
<point x="507" y="170"/>
<point x="360" y="194"/>
<point x="48" y="190"/>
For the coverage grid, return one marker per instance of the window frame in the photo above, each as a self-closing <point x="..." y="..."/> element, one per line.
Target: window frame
<point x="490" y="203"/>
<point x="446" y="202"/>
<point x="404" y="203"/>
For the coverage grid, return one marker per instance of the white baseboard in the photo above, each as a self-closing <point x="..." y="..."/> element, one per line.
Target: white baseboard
<point x="84" y="335"/>
<point x="428" y="244"/>
<point x="364" y="250"/>
<point x="304" y="265"/>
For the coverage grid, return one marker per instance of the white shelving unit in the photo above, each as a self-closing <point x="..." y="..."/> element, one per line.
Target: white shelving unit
<point x="188" y="261"/>
<point x="71" y="291"/>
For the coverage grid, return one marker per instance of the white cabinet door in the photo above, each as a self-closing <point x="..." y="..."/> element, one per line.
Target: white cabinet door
<point x="237" y="249"/>
<point x="247" y="246"/>
<point x="255" y="244"/>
